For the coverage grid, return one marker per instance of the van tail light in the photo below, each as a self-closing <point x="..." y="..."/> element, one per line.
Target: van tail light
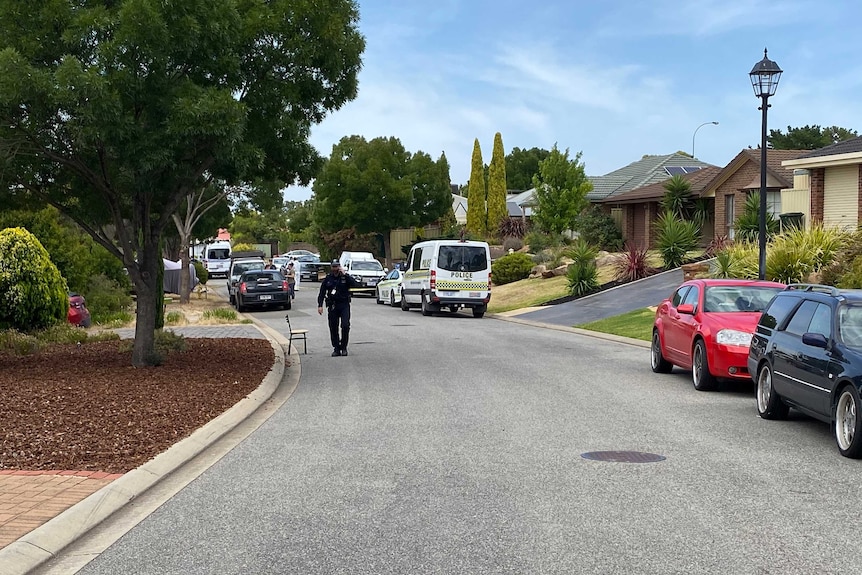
<point x="242" y="288"/>
<point x="433" y="280"/>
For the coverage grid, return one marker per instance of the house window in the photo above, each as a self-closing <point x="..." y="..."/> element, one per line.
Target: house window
<point x="773" y="202"/>
<point x="729" y="216"/>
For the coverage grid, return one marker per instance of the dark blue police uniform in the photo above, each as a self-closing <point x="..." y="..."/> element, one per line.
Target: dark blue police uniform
<point x="335" y="291"/>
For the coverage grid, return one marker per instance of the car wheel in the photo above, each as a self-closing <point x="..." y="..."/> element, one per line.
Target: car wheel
<point x="848" y="427"/>
<point x="656" y="360"/>
<point x="232" y="299"/>
<point x="289" y="304"/>
<point x="769" y="404"/>
<point x="239" y="307"/>
<point x="87" y="322"/>
<point x="392" y="298"/>
<point x="425" y="311"/>
<point x="378" y="297"/>
<point x="700" y="376"/>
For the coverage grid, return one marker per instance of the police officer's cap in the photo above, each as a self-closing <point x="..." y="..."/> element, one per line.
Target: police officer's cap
<point x="336" y="263"/>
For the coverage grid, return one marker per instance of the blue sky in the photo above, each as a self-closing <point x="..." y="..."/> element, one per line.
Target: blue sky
<point x="614" y="80"/>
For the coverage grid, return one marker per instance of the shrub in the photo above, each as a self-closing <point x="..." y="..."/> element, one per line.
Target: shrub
<point x="787" y="261"/>
<point x="242" y="247"/>
<point x="824" y="244"/>
<point x="852" y="277"/>
<point x="717" y="244"/>
<point x="747" y="225"/>
<point x="19" y="343"/>
<point x="844" y="261"/>
<point x="221" y="313"/>
<point x="34" y="293"/>
<point x="511" y="268"/>
<point x="675" y="238"/>
<point x="737" y="261"/>
<point x="539" y="241"/>
<point x="582" y="274"/>
<point x="201" y="272"/>
<point x="512" y="228"/>
<point x="599" y="229"/>
<point x="174" y="318"/>
<point x="512" y="243"/>
<point x="106" y="299"/>
<point x="632" y="264"/>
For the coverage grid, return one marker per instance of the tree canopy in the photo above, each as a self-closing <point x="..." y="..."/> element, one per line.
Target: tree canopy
<point x="477" y="213"/>
<point x="808" y="137"/>
<point x="561" y="191"/>
<point x="376" y="186"/>
<point x="522" y="165"/>
<point x="114" y="112"/>
<point x="497" y="210"/>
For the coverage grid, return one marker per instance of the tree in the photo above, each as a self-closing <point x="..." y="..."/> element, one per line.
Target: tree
<point x="373" y="187"/>
<point x="114" y="112"/>
<point x="677" y="197"/>
<point x="522" y="165"/>
<point x="561" y="191"/>
<point x="477" y="216"/>
<point x="497" y="210"/>
<point x="808" y="137"/>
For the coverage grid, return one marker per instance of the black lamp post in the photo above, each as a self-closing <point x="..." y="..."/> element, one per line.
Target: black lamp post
<point x="764" y="79"/>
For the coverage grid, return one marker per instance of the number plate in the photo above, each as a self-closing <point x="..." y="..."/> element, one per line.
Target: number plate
<point x="475" y="294"/>
<point x="265" y="297"/>
<point x="372" y="282"/>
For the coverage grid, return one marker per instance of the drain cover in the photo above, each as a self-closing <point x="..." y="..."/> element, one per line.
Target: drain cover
<point x="623" y="456"/>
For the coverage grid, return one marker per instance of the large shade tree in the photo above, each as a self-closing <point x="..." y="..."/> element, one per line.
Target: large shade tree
<point x="522" y="165"/>
<point x="375" y="186"/>
<point x="114" y="112"/>
<point x="808" y="137"/>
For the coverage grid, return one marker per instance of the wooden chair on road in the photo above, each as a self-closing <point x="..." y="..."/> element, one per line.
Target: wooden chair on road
<point x="297" y="334"/>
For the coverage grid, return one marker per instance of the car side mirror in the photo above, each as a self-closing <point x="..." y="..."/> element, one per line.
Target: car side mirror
<point x="386" y="270"/>
<point x="686" y="308"/>
<point x="814" y="339"/>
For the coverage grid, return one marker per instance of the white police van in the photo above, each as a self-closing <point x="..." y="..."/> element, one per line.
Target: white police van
<point x="447" y="274"/>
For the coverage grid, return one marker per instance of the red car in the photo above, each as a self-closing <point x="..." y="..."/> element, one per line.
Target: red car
<point x="78" y="314"/>
<point x="706" y="326"/>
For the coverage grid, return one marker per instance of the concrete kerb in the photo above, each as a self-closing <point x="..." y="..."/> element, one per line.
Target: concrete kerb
<point x="589" y="333"/>
<point x="46" y="541"/>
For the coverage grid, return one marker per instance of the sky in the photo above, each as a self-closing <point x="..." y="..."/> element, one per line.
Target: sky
<point x="613" y="80"/>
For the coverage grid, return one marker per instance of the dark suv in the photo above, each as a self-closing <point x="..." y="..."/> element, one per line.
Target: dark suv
<point x="806" y="353"/>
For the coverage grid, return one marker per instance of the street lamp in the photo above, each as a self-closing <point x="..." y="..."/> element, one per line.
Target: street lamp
<point x="764" y="79"/>
<point x="695" y="134"/>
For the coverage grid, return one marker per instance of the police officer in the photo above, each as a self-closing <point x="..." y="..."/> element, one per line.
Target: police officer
<point x="335" y="289"/>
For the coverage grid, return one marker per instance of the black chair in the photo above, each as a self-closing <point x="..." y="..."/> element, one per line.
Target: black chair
<point x="297" y="334"/>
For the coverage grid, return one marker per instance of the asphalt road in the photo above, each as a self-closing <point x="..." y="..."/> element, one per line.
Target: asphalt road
<point x="454" y="445"/>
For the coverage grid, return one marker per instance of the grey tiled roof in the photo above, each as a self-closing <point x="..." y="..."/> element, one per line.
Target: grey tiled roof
<point x="647" y="170"/>
<point x="845" y="147"/>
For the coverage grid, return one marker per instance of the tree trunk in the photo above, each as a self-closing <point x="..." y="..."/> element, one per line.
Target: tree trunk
<point x="143" y="352"/>
<point x="185" y="288"/>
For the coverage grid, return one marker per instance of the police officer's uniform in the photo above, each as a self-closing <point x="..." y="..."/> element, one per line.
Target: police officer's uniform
<point x="335" y="290"/>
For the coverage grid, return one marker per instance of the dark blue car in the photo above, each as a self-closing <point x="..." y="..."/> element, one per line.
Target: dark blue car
<point x="806" y="353"/>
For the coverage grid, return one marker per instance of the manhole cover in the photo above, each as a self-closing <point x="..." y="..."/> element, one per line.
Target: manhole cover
<point x="623" y="456"/>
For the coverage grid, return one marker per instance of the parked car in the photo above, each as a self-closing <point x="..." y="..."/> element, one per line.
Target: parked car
<point x="262" y="288"/>
<point x="296" y="254"/>
<point x="241" y="262"/>
<point x="706" y="326"/>
<point x="389" y="288"/>
<point x="367" y="273"/>
<point x="806" y="353"/>
<point x="308" y="268"/>
<point x="78" y="314"/>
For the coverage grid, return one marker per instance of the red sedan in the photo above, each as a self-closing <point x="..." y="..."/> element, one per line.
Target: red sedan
<point x="706" y="326"/>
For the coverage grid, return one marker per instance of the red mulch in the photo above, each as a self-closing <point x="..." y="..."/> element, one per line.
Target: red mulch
<point x="86" y="408"/>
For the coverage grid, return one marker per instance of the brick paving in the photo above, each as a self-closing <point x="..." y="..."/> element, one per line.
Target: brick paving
<point x="29" y="499"/>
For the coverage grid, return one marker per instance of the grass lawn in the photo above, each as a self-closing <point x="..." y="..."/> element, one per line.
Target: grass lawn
<point x="635" y="324"/>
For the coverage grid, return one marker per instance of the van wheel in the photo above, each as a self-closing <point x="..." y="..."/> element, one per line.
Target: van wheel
<point x="425" y="310"/>
<point x="404" y="305"/>
<point x="478" y="312"/>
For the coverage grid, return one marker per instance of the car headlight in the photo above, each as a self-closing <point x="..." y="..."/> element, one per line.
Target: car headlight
<point x="733" y="337"/>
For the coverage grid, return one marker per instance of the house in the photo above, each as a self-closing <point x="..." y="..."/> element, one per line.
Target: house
<point x="834" y="175"/>
<point x="636" y="210"/>
<point x="741" y="177"/>
<point x="520" y="204"/>
<point x="459" y="206"/>
<point x="648" y="170"/>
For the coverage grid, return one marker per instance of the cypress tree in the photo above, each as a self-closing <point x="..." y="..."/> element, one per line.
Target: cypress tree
<point x="497" y="210"/>
<point x="476" y="211"/>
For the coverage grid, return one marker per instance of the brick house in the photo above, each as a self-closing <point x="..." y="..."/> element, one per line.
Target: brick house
<point x="636" y="210"/>
<point x="835" y="183"/>
<point x="741" y="177"/>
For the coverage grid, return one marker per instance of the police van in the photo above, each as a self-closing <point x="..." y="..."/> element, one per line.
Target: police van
<point x="447" y="274"/>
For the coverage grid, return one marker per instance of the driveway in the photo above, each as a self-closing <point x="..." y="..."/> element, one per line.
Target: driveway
<point x="628" y="297"/>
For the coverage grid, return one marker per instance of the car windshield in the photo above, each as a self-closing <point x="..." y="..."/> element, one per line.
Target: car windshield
<point x="850" y="325"/>
<point x="728" y="299"/>
<point x="265" y="275"/>
<point x="239" y="269"/>
<point x="218" y="254"/>
<point x="462" y="258"/>
<point x="368" y="266"/>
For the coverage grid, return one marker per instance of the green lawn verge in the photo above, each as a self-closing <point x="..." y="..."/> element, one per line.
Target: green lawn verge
<point x="635" y="324"/>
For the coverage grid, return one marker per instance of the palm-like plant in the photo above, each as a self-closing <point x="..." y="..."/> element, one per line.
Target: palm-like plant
<point x="677" y="199"/>
<point x="676" y="237"/>
<point x="747" y="225"/>
<point x="632" y="264"/>
<point x="582" y="274"/>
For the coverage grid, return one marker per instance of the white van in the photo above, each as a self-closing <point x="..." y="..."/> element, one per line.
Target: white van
<point x="448" y="274"/>
<point x="217" y="258"/>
